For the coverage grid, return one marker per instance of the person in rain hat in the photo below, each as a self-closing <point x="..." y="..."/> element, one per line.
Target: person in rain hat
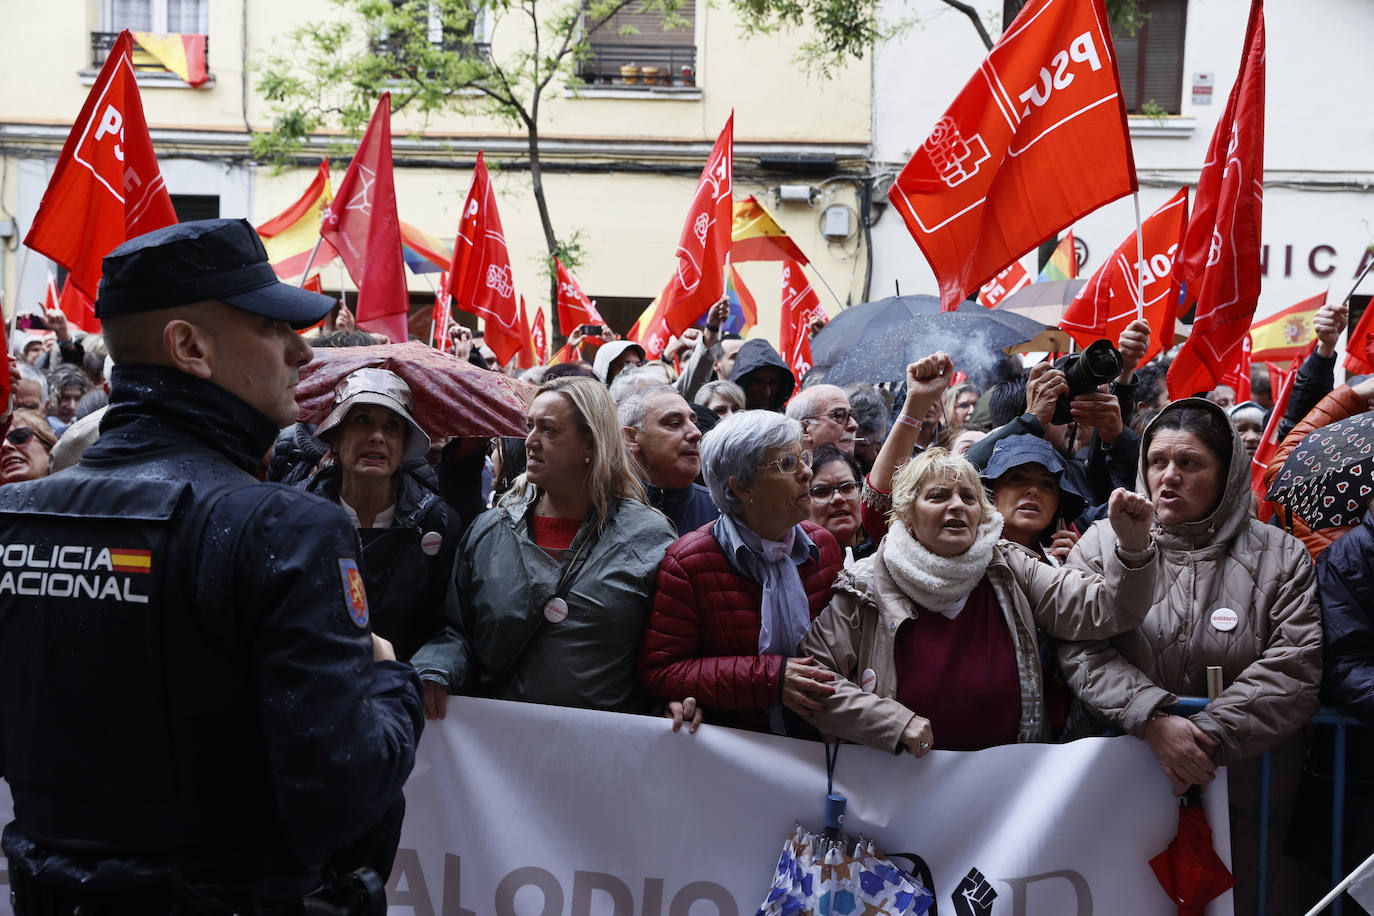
<point x="1025" y="477"/>
<point x="614" y="356"/>
<point x="252" y="734"/>
<point x="376" y="473"/>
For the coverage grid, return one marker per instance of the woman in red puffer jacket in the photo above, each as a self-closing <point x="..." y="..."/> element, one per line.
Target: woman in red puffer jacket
<point x="735" y="597"/>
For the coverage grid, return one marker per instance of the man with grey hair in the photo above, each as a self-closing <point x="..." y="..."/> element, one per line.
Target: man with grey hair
<point x="661" y="435"/>
<point x="632" y="379"/>
<point x="825" y="417"/>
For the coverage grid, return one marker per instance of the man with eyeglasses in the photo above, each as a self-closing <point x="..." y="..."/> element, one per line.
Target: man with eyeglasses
<point x="825" y="417"/>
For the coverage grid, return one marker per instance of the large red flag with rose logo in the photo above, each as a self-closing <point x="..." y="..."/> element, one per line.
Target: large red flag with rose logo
<point x="479" y="279"/>
<point x="1220" y="257"/>
<point x="800" y="306"/>
<point x="1107" y="302"/>
<point x="702" y="251"/>
<point x="1035" y="140"/>
<point x="362" y="225"/>
<point x="107" y="187"/>
<point x="574" y="307"/>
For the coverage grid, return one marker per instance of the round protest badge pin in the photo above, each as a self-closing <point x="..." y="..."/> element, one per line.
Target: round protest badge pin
<point x="1225" y="619"/>
<point x="556" y="611"/>
<point x="868" y="680"/>
<point x="431" y="543"/>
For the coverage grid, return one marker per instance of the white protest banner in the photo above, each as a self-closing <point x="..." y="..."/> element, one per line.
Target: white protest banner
<point x="523" y="810"/>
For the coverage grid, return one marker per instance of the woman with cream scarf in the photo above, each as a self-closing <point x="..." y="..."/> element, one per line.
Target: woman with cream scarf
<point x="933" y="637"/>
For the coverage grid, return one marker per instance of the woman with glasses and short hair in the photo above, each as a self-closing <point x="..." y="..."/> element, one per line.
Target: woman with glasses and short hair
<point x="736" y="596"/>
<point x="27" y="449"/>
<point x="835" y="484"/>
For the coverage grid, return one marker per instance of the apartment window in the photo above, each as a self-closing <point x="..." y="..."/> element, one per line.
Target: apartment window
<point x="185" y="17"/>
<point x="189" y="207"/>
<point x="1151" y="61"/>
<point x="633" y="49"/>
<point x="471" y="37"/>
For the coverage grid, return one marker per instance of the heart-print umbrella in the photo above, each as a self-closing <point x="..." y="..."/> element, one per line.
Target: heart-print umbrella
<point x="1328" y="479"/>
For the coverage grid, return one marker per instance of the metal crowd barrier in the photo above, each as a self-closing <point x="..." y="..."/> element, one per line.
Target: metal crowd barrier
<point x="1324" y="716"/>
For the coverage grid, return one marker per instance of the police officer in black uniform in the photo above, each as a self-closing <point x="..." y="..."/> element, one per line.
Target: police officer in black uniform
<point x="197" y="717"/>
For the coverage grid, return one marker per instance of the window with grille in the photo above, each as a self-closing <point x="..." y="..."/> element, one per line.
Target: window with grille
<point x="1151" y="61"/>
<point x="185" y="17"/>
<point x="635" y="49"/>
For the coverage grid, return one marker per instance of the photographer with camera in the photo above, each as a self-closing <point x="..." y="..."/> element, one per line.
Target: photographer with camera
<point x="1064" y="401"/>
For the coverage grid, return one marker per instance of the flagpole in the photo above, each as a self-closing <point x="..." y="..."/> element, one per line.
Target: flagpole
<point x="433" y="314"/>
<point x="310" y="262"/>
<point x="1368" y="263"/>
<point x="1139" y="259"/>
<point x="1340" y="888"/>
<point x="343" y="296"/>
<point x="821" y="277"/>
<point x="18" y="293"/>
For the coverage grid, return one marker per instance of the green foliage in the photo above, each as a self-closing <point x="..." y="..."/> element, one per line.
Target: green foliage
<point x="1153" y="110"/>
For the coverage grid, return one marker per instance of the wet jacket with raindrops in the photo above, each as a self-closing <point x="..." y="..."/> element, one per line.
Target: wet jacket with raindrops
<point x="214" y="716"/>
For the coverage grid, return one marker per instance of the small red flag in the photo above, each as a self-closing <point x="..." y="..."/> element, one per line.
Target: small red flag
<point x="799" y="307"/>
<point x="479" y="279"/>
<point x="361" y="223"/>
<point x="1238" y="376"/>
<point x="1107" y="302"/>
<point x="1035" y="140"/>
<point x="1269" y="444"/>
<point x="1220" y="257"/>
<point x="106" y="188"/>
<point x="574" y="308"/>
<point x="703" y="249"/>
<point x="540" y="335"/>
<point x="1012" y="278"/>
<point x="442" y="313"/>
<point x="526" y="358"/>
<point x="78" y="308"/>
<point x="1359" y="347"/>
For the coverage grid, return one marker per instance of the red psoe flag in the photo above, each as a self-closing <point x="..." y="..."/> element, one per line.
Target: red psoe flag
<point x="799" y="307"/>
<point x="701" y="252"/>
<point x="442" y="312"/>
<point x="1107" y="302"/>
<point x="526" y="358"/>
<point x="1359" y="348"/>
<point x="479" y="279"/>
<point x="1238" y="376"/>
<point x="1220" y="257"/>
<point x="574" y="308"/>
<point x="1035" y="140"/>
<point x="1012" y="278"/>
<point x="362" y="225"/>
<point x="106" y="188"/>
<point x="539" y="335"/>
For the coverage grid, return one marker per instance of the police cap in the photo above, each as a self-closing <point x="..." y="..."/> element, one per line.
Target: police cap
<point x="190" y="262"/>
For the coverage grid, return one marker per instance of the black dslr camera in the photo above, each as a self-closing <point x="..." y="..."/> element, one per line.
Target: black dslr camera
<point x="1099" y="363"/>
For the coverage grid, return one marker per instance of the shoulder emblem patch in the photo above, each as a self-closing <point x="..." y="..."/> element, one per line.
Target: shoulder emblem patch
<point x="354" y="593"/>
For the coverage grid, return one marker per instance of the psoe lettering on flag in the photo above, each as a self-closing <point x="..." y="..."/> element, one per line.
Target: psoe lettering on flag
<point x="1035" y="140"/>
<point x="1014" y="277"/>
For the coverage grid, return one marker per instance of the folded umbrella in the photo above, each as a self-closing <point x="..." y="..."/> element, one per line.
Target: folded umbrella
<point x="1190" y="871"/>
<point x="1327" y="480"/>
<point x="452" y="396"/>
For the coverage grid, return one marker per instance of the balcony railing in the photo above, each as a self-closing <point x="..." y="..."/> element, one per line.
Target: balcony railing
<point x="102" y="42"/>
<point x="639" y="66"/>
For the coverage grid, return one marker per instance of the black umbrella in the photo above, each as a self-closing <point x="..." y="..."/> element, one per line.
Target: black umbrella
<point x="975" y="342"/>
<point x="1328" y="479"/>
<point x="869" y="320"/>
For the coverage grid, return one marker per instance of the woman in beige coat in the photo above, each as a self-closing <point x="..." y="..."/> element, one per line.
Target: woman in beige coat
<point x="934" y="635"/>
<point x="1229" y="592"/>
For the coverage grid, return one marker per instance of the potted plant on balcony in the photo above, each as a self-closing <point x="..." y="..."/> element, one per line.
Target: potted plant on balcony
<point x="629" y="73"/>
<point x="650" y="75"/>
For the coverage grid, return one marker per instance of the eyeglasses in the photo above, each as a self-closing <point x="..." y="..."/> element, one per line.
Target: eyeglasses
<point x="788" y="464"/>
<point x="20" y="436"/>
<point x="822" y="493"/>
<point x="840" y="415"/>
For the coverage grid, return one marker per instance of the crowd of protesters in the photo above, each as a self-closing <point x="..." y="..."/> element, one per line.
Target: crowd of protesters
<point x="913" y="567"/>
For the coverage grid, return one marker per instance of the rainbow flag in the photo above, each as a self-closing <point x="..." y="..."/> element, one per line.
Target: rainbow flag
<point x="1063" y="264"/>
<point x="423" y="253"/>
<point x="744" y="314"/>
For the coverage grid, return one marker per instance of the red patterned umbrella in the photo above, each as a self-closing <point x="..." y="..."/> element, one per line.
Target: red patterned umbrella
<point x="452" y="396"/>
<point x="1190" y="870"/>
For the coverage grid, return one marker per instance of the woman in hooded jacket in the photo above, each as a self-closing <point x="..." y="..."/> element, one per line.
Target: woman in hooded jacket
<point x="1230" y="592"/>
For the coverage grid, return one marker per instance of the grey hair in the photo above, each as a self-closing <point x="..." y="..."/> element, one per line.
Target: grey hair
<point x="534" y="376"/>
<point x="723" y="387"/>
<point x="34" y="374"/>
<point x="628" y="380"/>
<point x="803" y="406"/>
<point x="737" y="445"/>
<point x="631" y="410"/>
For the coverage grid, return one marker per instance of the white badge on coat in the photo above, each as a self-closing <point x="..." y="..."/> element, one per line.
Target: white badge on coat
<point x="556" y="611"/>
<point x="868" y="680"/>
<point x="1225" y="619"/>
<point x="431" y="543"/>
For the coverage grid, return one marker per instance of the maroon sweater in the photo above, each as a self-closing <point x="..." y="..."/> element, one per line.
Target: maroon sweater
<point x="961" y="674"/>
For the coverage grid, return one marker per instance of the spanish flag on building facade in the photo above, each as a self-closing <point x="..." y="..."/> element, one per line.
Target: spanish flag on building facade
<point x="184" y="55"/>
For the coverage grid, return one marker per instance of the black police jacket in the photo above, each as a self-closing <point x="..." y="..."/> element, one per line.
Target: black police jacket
<point x="186" y="659"/>
<point x="407" y="568"/>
